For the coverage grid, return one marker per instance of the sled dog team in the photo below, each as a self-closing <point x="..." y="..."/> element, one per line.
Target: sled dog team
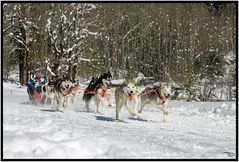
<point x="61" y="91"/>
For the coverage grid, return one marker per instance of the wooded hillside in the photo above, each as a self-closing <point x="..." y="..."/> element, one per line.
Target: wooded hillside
<point x="183" y="42"/>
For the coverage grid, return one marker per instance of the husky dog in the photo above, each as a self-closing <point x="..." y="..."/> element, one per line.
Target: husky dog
<point x="62" y="89"/>
<point x="47" y="92"/>
<point x="97" y="89"/>
<point x="74" y="91"/>
<point x="123" y="95"/>
<point x="159" y="95"/>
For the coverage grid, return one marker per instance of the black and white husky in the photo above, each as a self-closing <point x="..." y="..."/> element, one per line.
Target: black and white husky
<point x="47" y="92"/>
<point x="97" y="90"/>
<point x="123" y="95"/>
<point x="62" y="89"/>
<point x="158" y="95"/>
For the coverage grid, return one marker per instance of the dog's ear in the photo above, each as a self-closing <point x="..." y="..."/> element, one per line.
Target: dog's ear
<point x="169" y="84"/>
<point x="124" y="82"/>
<point x="134" y="80"/>
<point x="109" y="74"/>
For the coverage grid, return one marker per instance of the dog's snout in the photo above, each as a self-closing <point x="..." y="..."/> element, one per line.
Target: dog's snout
<point x="131" y="92"/>
<point x="167" y="95"/>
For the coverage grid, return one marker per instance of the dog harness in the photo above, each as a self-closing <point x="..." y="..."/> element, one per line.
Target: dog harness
<point x="130" y="96"/>
<point x="103" y="94"/>
<point x="93" y="90"/>
<point x="75" y="89"/>
<point x="65" y="94"/>
<point x="149" y="90"/>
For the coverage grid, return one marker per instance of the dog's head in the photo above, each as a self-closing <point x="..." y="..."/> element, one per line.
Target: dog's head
<point x="106" y="78"/>
<point x="129" y="87"/>
<point x="106" y="81"/>
<point x="66" y="83"/>
<point x="164" y="89"/>
<point x="51" y="83"/>
<point x="75" y="83"/>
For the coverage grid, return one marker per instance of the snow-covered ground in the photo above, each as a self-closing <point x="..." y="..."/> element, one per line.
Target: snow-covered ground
<point x="204" y="130"/>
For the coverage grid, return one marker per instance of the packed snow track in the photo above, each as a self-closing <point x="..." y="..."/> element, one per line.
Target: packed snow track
<point x="195" y="130"/>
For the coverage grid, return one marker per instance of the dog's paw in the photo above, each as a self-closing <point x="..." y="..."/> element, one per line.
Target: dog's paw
<point x="98" y="112"/>
<point x="136" y="116"/>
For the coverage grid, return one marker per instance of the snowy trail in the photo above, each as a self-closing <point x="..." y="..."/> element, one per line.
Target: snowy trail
<point x="195" y="130"/>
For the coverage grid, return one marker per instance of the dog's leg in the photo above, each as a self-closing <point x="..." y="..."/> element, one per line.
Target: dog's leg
<point x="128" y="108"/>
<point x="108" y="97"/>
<point x="135" y="97"/>
<point x="56" y="101"/>
<point x="165" y="111"/>
<point x="101" y="99"/>
<point x="61" y="98"/>
<point x="97" y="102"/>
<point x="119" y="106"/>
<point x="65" y="100"/>
<point x="87" y="103"/>
<point x="52" y="101"/>
<point x="73" y="101"/>
<point x="109" y="101"/>
<point x="98" y="95"/>
<point x="143" y="103"/>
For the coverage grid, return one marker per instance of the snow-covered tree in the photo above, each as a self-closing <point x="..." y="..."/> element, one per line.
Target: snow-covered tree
<point x="69" y="28"/>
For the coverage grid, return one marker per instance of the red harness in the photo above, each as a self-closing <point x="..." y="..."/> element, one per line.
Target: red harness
<point x="130" y="96"/>
<point x="93" y="90"/>
<point x="68" y="91"/>
<point x="103" y="94"/>
<point x="65" y="94"/>
<point x="75" y="88"/>
<point x="149" y="90"/>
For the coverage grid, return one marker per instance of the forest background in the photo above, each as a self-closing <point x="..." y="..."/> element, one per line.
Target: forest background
<point x="192" y="45"/>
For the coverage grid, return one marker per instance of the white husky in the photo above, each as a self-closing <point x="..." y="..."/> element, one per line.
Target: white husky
<point x="158" y="95"/>
<point x="74" y="90"/>
<point x="123" y="95"/>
